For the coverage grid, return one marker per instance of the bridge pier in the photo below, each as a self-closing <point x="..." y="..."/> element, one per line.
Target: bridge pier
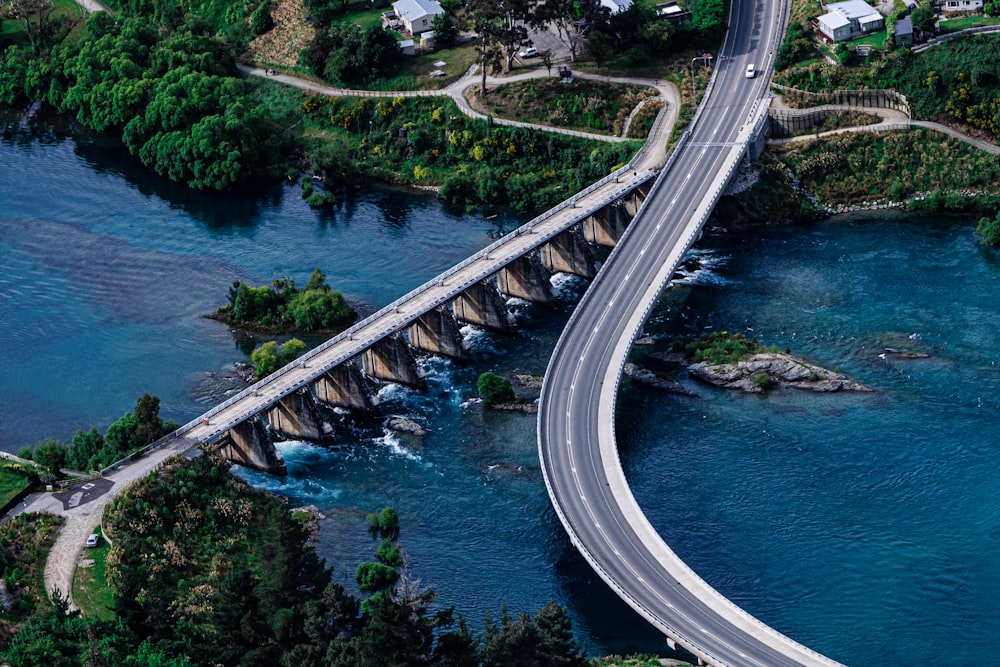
<point x="632" y="202"/>
<point x="248" y="444"/>
<point x="295" y="417"/>
<point x="526" y="279"/>
<point x="568" y="253"/>
<point x="343" y="386"/>
<point x="437" y="332"/>
<point x="391" y="360"/>
<point x="606" y="226"/>
<point x="481" y="305"/>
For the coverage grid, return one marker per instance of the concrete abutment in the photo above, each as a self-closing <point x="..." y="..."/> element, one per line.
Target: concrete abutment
<point x="437" y="332"/>
<point x="390" y="359"/>
<point x="248" y="444"/>
<point x="483" y="306"/>
<point x="526" y="279"/>
<point x="344" y="386"/>
<point x="296" y="417"/>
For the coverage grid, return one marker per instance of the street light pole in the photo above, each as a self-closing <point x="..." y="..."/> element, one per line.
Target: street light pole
<point x="707" y="57"/>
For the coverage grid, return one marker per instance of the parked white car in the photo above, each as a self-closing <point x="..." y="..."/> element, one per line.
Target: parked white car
<point x="93" y="540"/>
<point x="529" y="52"/>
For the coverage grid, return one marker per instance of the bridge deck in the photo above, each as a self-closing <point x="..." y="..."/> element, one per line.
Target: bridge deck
<point x="402" y="312"/>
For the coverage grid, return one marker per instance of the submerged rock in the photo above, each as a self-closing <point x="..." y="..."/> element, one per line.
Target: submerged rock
<point x="649" y="378"/>
<point x="902" y="354"/>
<point x="768" y="368"/>
<point x="528" y="408"/>
<point x="528" y="381"/>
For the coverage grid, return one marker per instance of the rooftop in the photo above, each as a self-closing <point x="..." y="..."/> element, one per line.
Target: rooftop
<point x="412" y="9"/>
<point x="852" y="9"/>
<point x="834" y="20"/>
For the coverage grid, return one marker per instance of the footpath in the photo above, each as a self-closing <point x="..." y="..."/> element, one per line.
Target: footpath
<point x="82" y="505"/>
<point x="890" y="120"/>
<point x="458" y="91"/>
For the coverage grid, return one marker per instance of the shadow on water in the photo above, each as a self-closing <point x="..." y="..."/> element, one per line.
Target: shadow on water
<point x="237" y="208"/>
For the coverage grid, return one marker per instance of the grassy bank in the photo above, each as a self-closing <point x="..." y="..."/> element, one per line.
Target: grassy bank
<point x="919" y="169"/>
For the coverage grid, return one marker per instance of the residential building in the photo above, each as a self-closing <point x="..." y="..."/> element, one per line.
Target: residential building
<point x="417" y="15"/>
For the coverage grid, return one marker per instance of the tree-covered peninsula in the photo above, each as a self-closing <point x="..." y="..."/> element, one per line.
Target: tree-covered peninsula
<point x="203" y="570"/>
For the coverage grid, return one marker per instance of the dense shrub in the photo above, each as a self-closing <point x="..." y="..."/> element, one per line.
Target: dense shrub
<point x="494" y="388"/>
<point x="282" y="306"/>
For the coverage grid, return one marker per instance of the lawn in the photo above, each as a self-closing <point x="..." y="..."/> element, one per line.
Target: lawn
<point x="872" y="39"/>
<point x="13" y="480"/>
<point x="91" y="592"/>
<point x="13" y="31"/>
<point x="954" y="25"/>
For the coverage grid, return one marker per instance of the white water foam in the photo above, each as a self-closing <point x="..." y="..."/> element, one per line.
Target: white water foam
<point x="700" y="267"/>
<point x="392" y="442"/>
<point x="568" y="287"/>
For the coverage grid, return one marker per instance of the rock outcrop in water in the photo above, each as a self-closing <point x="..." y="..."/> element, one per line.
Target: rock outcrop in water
<point x="766" y="369"/>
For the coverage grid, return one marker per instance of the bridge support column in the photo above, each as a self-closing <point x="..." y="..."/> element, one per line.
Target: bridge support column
<point x="606" y="226"/>
<point x="436" y="331"/>
<point x="248" y="444"/>
<point x="295" y="416"/>
<point x="526" y="279"/>
<point x="481" y="305"/>
<point x="343" y="386"/>
<point x="633" y="200"/>
<point x="391" y="360"/>
<point x="568" y="253"/>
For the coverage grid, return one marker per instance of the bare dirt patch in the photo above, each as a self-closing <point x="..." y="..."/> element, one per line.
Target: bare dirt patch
<point x="280" y="46"/>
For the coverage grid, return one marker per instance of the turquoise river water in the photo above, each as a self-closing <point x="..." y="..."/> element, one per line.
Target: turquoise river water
<point x="864" y="525"/>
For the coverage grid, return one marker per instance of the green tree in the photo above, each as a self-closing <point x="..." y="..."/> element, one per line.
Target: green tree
<point x="445" y="31"/>
<point x="265" y="359"/>
<point x="84" y="453"/>
<point x="988" y="231"/>
<point x="149" y="425"/>
<point x="51" y="455"/>
<point x="385" y="522"/>
<point x="923" y="18"/>
<point x="375" y="576"/>
<point x="290" y="350"/>
<point x="572" y="19"/>
<point x="494" y="389"/>
<point x="313" y="309"/>
<point x="708" y="21"/>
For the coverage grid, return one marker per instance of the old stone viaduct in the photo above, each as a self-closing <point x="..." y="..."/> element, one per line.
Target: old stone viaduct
<point x="381" y="348"/>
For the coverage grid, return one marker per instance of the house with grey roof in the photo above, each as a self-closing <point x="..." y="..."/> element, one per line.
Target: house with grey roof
<point x="417" y="15"/>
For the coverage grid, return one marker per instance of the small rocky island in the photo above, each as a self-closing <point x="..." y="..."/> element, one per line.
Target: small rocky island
<point x="733" y="361"/>
<point x="765" y="369"/>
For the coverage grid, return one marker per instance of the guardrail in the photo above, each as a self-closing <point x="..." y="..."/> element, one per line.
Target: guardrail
<point x="361" y="325"/>
<point x="863" y="98"/>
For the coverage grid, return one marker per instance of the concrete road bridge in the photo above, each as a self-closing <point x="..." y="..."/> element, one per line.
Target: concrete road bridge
<point x="650" y="227"/>
<point x="576" y="435"/>
<point x="381" y="347"/>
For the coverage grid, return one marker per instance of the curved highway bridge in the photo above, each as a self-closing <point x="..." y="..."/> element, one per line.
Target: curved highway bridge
<point x="576" y="417"/>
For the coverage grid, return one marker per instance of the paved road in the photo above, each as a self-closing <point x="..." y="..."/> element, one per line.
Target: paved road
<point x="576" y="417"/>
<point x="82" y="508"/>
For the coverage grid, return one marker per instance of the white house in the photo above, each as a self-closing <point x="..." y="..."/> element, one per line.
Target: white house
<point x="963" y="5"/>
<point x="417" y="15"/>
<point x="616" y="6"/>
<point x="834" y="26"/>
<point x="862" y="16"/>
